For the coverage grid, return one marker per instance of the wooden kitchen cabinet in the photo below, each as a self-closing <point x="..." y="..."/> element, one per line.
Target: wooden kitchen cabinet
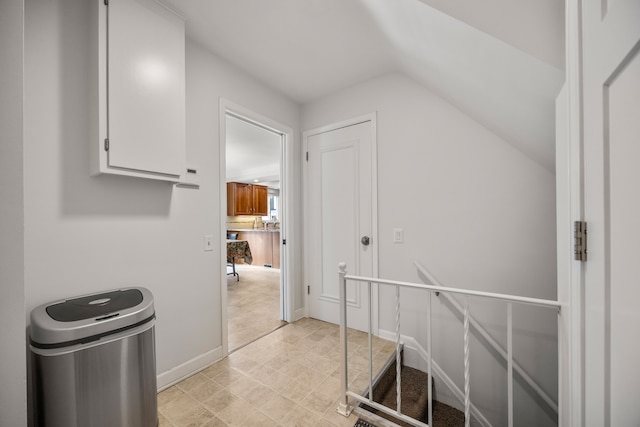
<point x="239" y="199"/>
<point x="260" y="200"/>
<point x="247" y="199"/>
<point x="139" y="125"/>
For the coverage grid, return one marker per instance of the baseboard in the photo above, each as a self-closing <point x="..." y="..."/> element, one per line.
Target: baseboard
<point x="388" y="335"/>
<point x="298" y="314"/>
<point x="193" y="366"/>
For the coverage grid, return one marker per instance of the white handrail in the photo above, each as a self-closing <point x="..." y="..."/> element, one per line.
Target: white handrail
<point x="548" y="400"/>
<point x="492" y="295"/>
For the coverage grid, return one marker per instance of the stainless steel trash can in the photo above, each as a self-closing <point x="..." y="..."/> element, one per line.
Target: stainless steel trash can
<point x="93" y="361"/>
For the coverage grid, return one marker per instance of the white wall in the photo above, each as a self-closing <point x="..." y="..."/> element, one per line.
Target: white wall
<point x="87" y="234"/>
<point x="475" y="211"/>
<point x="13" y="394"/>
<point x="210" y="79"/>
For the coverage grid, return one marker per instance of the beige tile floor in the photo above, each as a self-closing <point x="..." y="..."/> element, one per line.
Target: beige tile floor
<point x="253" y="303"/>
<point x="287" y="378"/>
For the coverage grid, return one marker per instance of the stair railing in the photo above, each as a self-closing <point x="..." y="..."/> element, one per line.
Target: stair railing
<point x="497" y="347"/>
<point x="344" y="406"/>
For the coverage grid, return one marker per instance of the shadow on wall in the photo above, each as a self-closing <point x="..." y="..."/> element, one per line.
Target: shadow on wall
<point x="82" y="194"/>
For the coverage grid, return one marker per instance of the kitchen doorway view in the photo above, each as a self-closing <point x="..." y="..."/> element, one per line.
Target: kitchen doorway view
<point x="254" y="165"/>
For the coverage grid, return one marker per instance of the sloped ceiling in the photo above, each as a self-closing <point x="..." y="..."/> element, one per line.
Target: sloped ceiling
<point x="499" y="61"/>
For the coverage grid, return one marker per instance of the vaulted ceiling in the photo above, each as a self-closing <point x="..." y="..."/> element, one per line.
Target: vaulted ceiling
<point x="499" y="61"/>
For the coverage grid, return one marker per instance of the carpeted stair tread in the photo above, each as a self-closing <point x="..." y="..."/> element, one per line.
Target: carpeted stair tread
<point x="414" y="399"/>
<point x="447" y="416"/>
<point x="414" y="396"/>
<point x="414" y="393"/>
<point x="386" y="382"/>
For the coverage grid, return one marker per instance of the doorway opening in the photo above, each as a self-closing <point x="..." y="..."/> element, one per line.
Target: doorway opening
<point x="255" y="296"/>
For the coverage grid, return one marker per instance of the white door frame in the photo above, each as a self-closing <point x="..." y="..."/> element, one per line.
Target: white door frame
<point x="286" y="183"/>
<point x="371" y="117"/>
<point x="569" y="171"/>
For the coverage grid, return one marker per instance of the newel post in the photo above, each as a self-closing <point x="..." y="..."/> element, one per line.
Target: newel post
<point x="343" y="406"/>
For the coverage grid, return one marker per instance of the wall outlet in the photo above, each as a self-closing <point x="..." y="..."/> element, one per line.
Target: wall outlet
<point x="398" y="235"/>
<point x="208" y="243"/>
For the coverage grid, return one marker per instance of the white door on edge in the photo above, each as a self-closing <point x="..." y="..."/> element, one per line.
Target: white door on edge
<point x="340" y="219"/>
<point x="611" y="54"/>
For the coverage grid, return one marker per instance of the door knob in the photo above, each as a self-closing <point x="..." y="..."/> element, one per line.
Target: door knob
<point x="365" y="240"/>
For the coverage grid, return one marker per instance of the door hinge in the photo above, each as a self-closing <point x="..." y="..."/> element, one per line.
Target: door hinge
<point x="308" y="290"/>
<point x="307" y="156"/>
<point x="580" y="240"/>
<point x="106" y="2"/>
<point x="106" y="144"/>
<point x="284" y="241"/>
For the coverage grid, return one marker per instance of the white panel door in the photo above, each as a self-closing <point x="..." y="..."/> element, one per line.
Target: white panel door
<point x="146" y="102"/>
<point x="611" y="53"/>
<point x="340" y="213"/>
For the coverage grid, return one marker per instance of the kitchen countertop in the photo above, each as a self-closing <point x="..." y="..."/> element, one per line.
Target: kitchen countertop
<point x="251" y="230"/>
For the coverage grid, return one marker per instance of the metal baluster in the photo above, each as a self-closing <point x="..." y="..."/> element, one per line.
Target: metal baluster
<point x="467" y="400"/>
<point x="510" y="361"/>
<point x="430" y="378"/>
<point x="398" y="362"/>
<point x="370" y="345"/>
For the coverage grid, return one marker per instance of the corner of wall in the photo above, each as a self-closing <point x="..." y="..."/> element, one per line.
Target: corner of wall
<point x="13" y="374"/>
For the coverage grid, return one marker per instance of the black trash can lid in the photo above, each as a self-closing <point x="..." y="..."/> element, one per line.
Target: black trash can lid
<point x="94" y="306"/>
<point x="86" y="317"/>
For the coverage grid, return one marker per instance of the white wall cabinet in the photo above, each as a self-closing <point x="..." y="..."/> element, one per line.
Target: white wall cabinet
<point x="139" y="90"/>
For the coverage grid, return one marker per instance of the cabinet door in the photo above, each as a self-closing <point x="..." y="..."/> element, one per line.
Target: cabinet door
<point x="239" y="199"/>
<point x="260" y="200"/>
<point x="263" y="246"/>
<point x="146" y="88"/>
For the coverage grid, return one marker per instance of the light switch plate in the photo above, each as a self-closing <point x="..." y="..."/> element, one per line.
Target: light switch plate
<point x="398" y="235"/>
<point x="208" y="242"/>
